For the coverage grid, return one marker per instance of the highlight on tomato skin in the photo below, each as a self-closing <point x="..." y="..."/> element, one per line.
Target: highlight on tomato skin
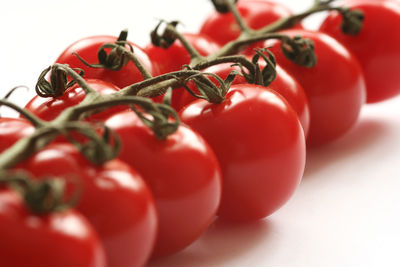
<point x="335" y="86"/>
<point x="259" y="144"/>
<point x="61" y="239"/>
<point x="183" y="174"/>
<point x="375" y="46"/>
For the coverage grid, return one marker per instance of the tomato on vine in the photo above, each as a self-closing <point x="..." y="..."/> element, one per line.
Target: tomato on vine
<point x="256" y="13"/>
<point x="283" y="84"/>
<point x="183" y="174"/>
<point x="375" y="46"/>
<point x="87" y="49"/>
<point x="174" y="57"/>
<point x="260" y="145"/>
<point x="114" y="199"/>
<point x="61" y="239"/>
<point x="335" y="86"/>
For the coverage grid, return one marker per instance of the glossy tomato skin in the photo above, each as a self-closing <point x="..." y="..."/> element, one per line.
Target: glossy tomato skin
<point x="335" y="86"/>
<point x="256" y="13"/>
<point x="48" y="108"/>
<point x="13" y="129"/>
<point x="284" y="84"/>
<point x="114" y="199"/>
<point x="61" y="239"/>
<point x="260" y="145"/>
<point x="375" y="47"/>
<point x="173" y="58"/>
<point x="87" y="48"/>
<point x="183" y="174"/>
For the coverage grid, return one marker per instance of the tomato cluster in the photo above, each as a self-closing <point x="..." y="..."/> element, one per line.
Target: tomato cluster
<point x="240" y="157"/>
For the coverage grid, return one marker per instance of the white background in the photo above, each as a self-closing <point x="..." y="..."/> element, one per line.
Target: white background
<point x="346" y="211"/>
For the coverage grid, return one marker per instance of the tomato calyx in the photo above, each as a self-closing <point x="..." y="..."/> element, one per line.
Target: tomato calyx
<point x="250" y="70"/>
<point x="42" y="196"/>
<point x="115" y="59"/>
<point x="299" y="50"/>
<point x="58" y="82"/>
<point x="265" y="76"/>
<point x="167" y="37"/>
<point x="207" y="89"/>
<point x="352" y="20"/>
<point x="118" y="57"/>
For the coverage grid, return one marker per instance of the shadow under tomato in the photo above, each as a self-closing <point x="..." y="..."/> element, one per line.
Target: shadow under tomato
<point x="362" y="138"/>
<point x="222" y="243"/>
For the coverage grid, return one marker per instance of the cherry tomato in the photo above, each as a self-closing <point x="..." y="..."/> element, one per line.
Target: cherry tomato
<point x="183" y="174"/>
<point x="114" y="199"/>
<point x="87" y="48"/>
<point x="260" y="146"/>
<point x="173" y="58"/>
<point x="49" y="108"/>
<point x="283" y="84"/>
<point x="376" y="46"/>
<point x="61" y="239"/>
<point x="335" y="86"/>
<point x="257" y="14"/>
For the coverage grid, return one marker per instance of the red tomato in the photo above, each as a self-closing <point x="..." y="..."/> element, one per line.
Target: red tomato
<point x="62" y="239"/>
<point x="335" y="87"/>
<point x="87" y="48"/>
<point x="183" y="174"/>
<point x="283" y="84"/>
<point x="49" y="108"/>
<point x="115" y="200"/>
<point x="376" y="46"/>
<point x="173" y="58"/>
<point x="260" y="146"/>
<point x="257" y="14"/>
<point x="13" y="129"/>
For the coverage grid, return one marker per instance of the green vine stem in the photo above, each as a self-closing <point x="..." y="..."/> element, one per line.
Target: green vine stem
<point x="352" y="19"/>
<point x="27" y="146"/>
<point x="170" y="35"/>
<point x="246" y="30"/>
<point x="162" y="115"/>
<point x="37" y="122"/>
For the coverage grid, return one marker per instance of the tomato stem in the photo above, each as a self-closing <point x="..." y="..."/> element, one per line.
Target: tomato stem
<point x="245" y="29"/>
<point x="161" y="118"/>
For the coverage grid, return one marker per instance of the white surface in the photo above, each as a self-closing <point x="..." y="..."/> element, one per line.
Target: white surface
<point x="345" y="213"/>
